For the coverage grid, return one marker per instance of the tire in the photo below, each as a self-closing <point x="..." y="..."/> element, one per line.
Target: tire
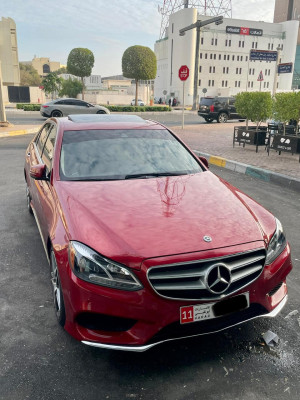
<point x="58" y="299"/>
<point x="222" y="117"/>
<point x="28" y="198"/>
<point x="56" y="114"/>
<point x="208" y="120"/>
<point x="242" y="120"/>
<point x="101" y="112"/>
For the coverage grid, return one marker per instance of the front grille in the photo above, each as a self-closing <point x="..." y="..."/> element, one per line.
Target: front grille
<point x="188" y="280"/>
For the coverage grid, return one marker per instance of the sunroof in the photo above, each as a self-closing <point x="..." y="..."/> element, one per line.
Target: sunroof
<point x="104" y="118"/>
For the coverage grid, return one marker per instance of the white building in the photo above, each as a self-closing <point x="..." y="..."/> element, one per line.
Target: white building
<point x="225" y="67"/>
<point x="92" y="82"/>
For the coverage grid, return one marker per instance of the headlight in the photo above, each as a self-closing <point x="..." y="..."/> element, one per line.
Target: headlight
<point x="91" y="267"/>
<point x="277" y="243"/>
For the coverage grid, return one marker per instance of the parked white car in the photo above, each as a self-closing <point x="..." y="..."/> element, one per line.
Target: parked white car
<point x="139" y="102"/>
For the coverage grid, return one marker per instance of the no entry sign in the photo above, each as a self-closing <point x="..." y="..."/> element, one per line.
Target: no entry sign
<point x="183" y="73"/>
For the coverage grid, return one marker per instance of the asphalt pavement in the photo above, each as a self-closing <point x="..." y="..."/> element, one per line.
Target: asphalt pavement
<point x="39" y="360"/>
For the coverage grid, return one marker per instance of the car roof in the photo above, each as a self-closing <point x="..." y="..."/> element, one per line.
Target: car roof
<point x="106" y="121"/>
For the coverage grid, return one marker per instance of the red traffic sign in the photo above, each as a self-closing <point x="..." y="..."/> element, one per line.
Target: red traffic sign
<point x="260" y="77"/>
<point x="183" y="72"/>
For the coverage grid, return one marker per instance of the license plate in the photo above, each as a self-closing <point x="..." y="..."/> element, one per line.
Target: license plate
<point x="200" y="312"/>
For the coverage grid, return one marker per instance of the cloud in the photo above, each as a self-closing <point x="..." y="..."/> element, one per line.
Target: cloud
<point x="254" y="10"/>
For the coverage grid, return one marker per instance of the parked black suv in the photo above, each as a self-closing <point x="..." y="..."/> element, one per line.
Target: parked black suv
<point x="219" y="108"/>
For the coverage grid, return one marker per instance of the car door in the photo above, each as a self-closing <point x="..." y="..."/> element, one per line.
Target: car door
<point x="34" y="156"/>
<point x="48" y="207"/>
<point x="80" y="107"/>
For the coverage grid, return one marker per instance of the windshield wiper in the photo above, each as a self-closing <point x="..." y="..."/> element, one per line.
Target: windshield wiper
<point x="153" y="175"/>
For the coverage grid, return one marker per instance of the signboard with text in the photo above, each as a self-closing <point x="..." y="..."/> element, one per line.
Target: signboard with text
<point x="263" y="55"/>
<point x="239" y="30"/>
<point x="285" y="68"/>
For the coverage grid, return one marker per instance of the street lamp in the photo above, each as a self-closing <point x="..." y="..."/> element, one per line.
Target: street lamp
<point x="198" y="25"/>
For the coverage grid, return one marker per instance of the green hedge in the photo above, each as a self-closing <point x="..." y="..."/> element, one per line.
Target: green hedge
<point x="31" y="107"/>
<point x="28" y="107"/>
<point x="137" y="108"/>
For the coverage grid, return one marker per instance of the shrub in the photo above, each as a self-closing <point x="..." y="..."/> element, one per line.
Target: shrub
<point x="31" y="107"/>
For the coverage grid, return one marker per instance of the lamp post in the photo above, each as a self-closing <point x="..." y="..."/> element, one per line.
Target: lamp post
<point x="198" y="25"/>
<point x="276" y="70"/>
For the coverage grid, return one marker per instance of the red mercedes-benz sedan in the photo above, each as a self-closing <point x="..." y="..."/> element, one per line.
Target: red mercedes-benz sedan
<point x="145" y="244"/>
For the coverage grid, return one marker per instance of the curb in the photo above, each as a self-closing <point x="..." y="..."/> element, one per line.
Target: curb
<point x="19" y="132"/>
<point x="255" y="172"/>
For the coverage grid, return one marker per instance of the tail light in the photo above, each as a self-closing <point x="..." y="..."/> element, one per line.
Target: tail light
<point x="45" y="106"/>
<point x="212" y="108"/>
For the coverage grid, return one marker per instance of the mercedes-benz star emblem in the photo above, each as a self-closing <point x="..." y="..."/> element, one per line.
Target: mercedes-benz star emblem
<point x="218" y="278"/>
<point x="207" y="238"/>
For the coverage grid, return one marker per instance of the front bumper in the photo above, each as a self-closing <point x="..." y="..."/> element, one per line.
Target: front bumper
<point x="146" y="319"/>
<point x="139" y="349"/>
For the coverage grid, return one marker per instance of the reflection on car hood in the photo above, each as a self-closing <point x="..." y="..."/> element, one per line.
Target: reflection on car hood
<point x="145" y="218"/>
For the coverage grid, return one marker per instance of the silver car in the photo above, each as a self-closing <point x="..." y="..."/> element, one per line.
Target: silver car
<point x="64" y="107"/>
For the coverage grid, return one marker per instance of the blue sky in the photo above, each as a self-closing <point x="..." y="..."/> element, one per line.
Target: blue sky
<point x="53" y="28"/>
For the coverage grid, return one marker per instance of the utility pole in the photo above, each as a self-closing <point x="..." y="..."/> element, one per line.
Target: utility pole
<point x="198" y="25"/>
<point x="2" y="108"/>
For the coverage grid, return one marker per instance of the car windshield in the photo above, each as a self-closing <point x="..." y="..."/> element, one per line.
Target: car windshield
<point x="123" y="154"/>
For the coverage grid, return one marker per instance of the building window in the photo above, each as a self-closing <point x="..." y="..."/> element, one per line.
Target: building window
<point x="216" y="42"/>
<point x="226" y="42"/>
<point x="226" y="83"/>
<point x="200" y="68"/>
<point x="232" y="58"/>
<point x="272" y="47"/>
<point x="212" y="41"/>
<point x="236" y="70"/>
<point x="209" y="83"/>
<point x="227" y="70"/>
<point x="238" y="58"/>
<point x="252" y="84"/>
<point x="224" y="69"/>
<point x="239" y="83"/>
<point x="229" y="42"/>
<point x="215" y="56"/>
<point x="211" y="56"/>
<point x="214" y="69"/>
<point x="241" y="58"/>
<point x="205" y="56"/>
<point x="222" y="83"/>
<point x="264" y="85"/>
<point x="246" y="58"/>
<point x="200" y="55"/>
<point x="235" y="83"/>
<point x="172" y="27"/>
<point x="228" y="57"/>
<point x="248" y="83"/>
<point x="212" y="83"/>
<point x="269" y="45"/>
<point x="220" y="56"/>
<point x="210" y="70"/>
<point x="240" y="71"/>
<point x="46" y="69"/>
<point x="268" y="85"/>
<point x="240" y="43"/>
<point x="202" y="40"/>
<point x="224" y="56"/>
<point x="199" y="84"/>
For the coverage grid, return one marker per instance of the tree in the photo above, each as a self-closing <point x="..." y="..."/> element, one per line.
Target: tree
<point x="287" y="107"/>
<point x="139" y="63"/>
<point x="256" y="106"/>
<point x="29" y="75"/>
<point x="70" y="87"/>
<point x="51" y="83"/>
<point x="61" y="70"/>
<point x="80" y="63"/>
<point x="243" y="105"/>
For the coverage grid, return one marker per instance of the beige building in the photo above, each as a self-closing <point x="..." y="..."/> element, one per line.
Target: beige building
<point x="43" y="65"/>
<point x="9" y="52"/>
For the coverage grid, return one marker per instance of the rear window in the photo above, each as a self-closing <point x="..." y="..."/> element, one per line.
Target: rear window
<point x="206" y="102"/>
<point x="123" y="154"/>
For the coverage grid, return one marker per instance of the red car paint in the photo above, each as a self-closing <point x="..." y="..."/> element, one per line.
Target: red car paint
<point x="139" y="223"/>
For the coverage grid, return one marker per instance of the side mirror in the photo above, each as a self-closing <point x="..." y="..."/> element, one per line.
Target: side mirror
<point x="204" y="161"/>
<point x="38" y="172"/>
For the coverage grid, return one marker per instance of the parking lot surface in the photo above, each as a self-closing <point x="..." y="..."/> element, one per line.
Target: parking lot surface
<point x="39" y="360"/>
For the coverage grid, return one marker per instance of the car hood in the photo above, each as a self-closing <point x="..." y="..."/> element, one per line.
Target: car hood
<point x="137" y="219"/>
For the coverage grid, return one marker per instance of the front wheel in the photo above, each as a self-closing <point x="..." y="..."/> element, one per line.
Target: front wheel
<point x="101" y="112"/>
<point x="209" y="120"/>
<point x="57" y="291"/>
<point x="222" y="117"/>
